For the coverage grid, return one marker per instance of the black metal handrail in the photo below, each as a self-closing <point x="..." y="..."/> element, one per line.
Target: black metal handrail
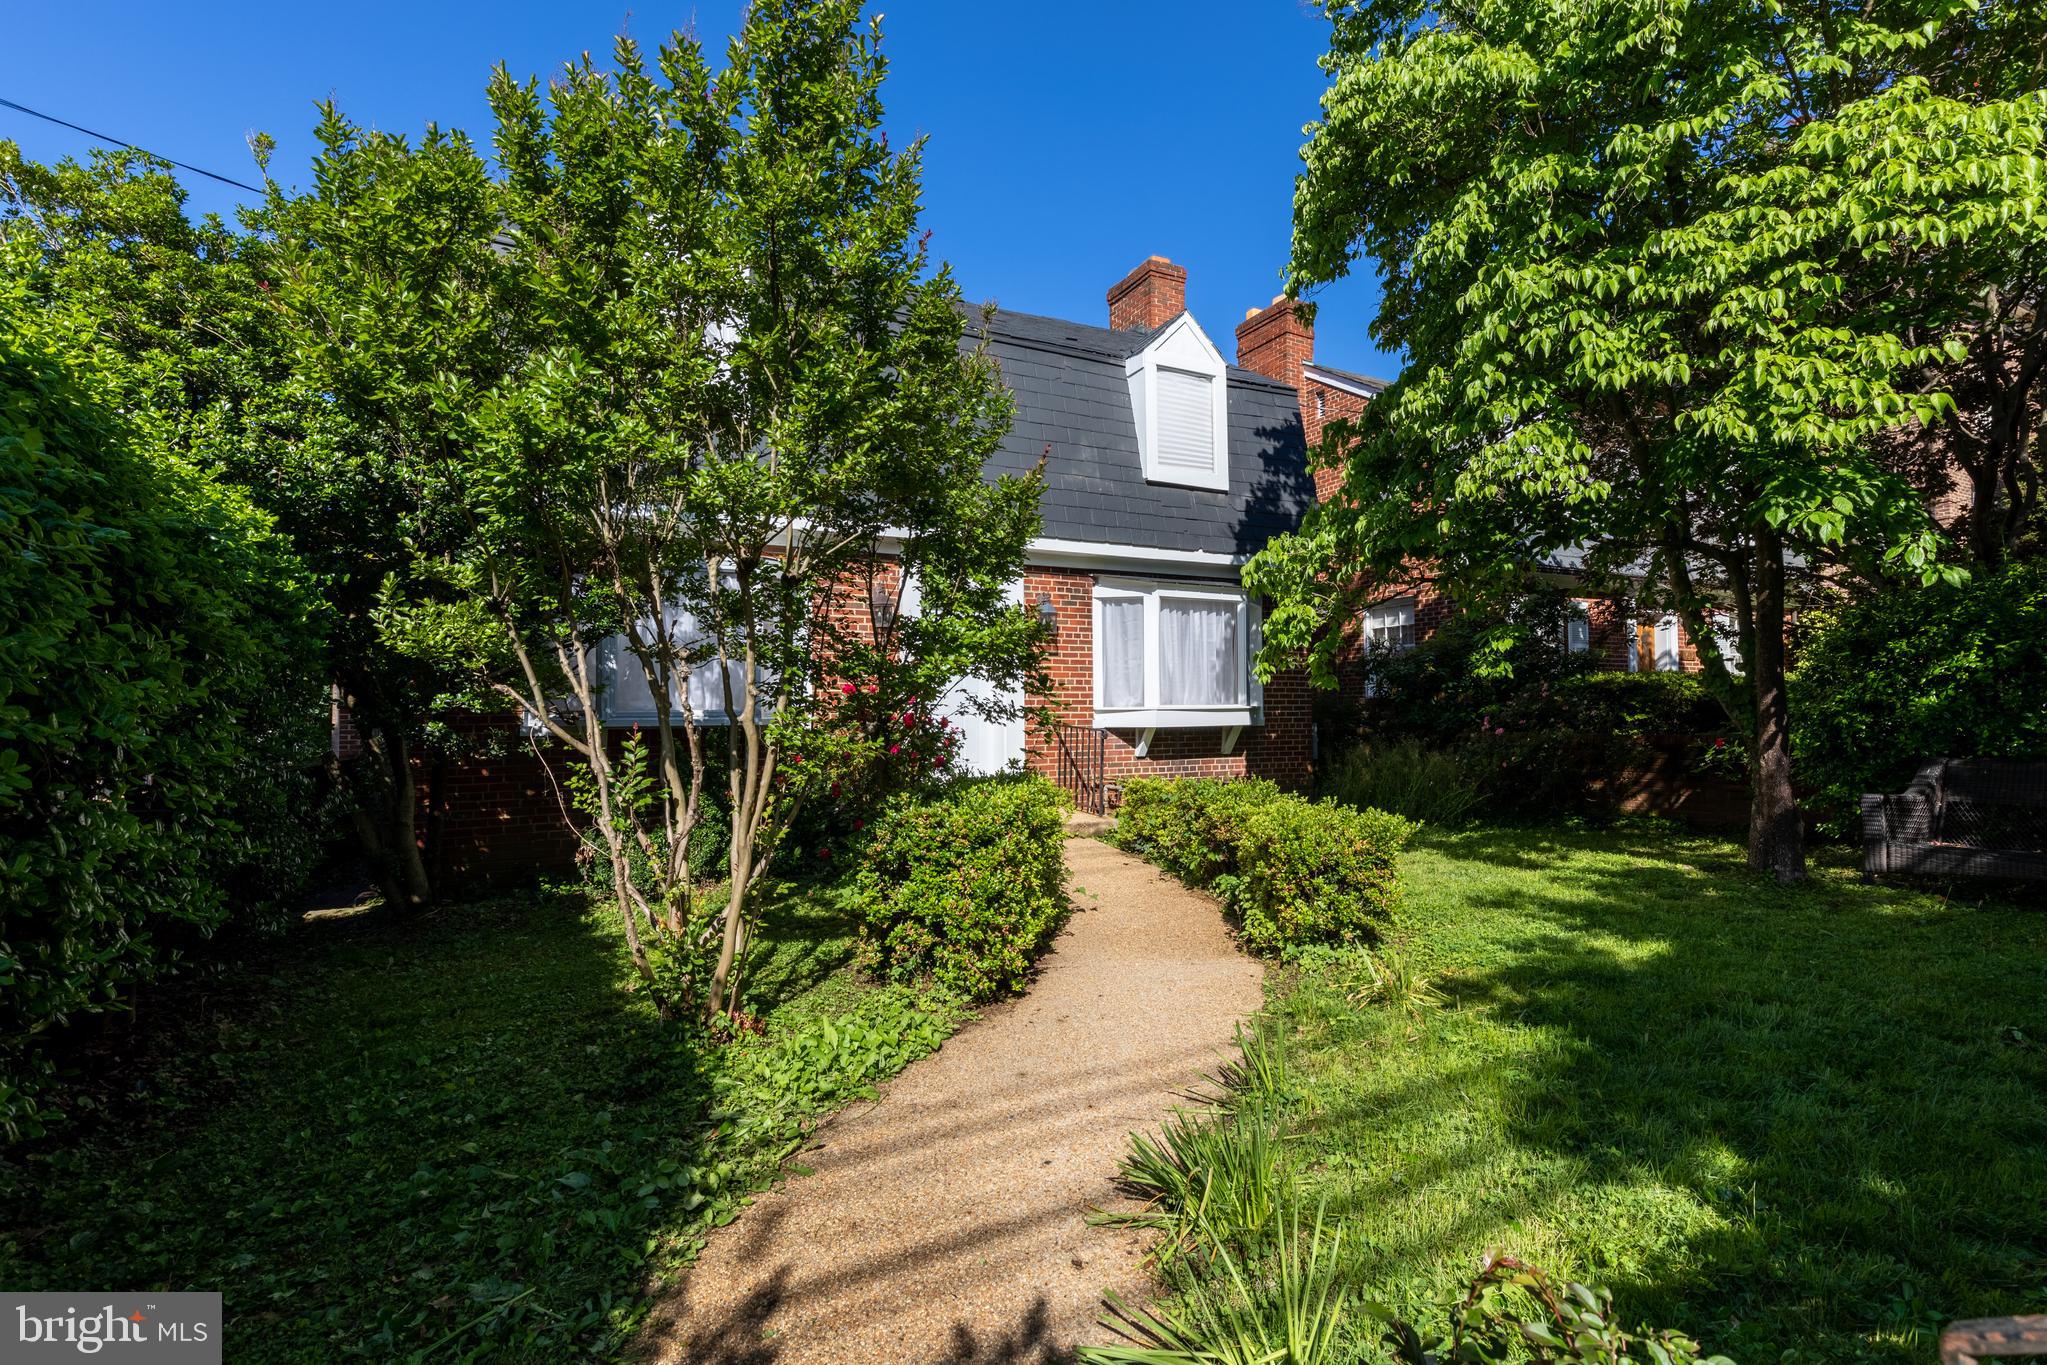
<point x="1083" y="754"/>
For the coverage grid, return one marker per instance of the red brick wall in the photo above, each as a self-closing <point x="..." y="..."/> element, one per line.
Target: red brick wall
<point x="1278" y="749"/>
<point x="1150" y="296"/>
<point x="496" y="817"/>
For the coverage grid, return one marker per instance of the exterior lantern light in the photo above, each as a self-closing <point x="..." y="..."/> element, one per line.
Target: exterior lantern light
<point x="1048" y="616"/>
<point x="884" y="603"/>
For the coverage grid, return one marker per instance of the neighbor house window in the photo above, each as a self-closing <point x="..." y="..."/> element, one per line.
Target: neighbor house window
<point x="1389" y="627"/>
<point x="1172" y="655"/>
<point x="1578" y="627"/>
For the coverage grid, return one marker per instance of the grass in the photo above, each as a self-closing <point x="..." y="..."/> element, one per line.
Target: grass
<point x="465" y="1136"/>
<point x="1801" y="1124"/>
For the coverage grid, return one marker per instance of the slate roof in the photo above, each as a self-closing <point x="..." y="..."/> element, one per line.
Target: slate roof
<point x="1071" y="395"/>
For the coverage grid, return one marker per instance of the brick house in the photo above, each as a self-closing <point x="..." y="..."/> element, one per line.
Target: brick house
<point x="1166" y="468"/>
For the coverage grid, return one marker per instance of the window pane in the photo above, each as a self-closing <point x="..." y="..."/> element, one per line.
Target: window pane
<point x="1390" y="627"/>
<point x="1120" y="651"/>
<point x="1198" y="661"/>
<point x="1186" y="420"/>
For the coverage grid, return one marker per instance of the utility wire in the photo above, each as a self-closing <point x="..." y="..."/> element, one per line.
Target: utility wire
<point x="196" y="170"/>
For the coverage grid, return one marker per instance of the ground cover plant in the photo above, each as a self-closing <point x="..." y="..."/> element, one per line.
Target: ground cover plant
<point x="467" y="1133"/>
<point x="1796" y="1124"/>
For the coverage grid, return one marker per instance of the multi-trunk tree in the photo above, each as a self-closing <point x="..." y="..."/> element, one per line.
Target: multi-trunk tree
<point x="736" y="380"/>
<point x="1645" y="263"/>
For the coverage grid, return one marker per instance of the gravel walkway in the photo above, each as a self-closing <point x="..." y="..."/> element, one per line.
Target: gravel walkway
<point x="947" y="1221"/>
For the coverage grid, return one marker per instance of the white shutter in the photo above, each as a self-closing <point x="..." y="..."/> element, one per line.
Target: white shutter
<point x="1186" y="421"/>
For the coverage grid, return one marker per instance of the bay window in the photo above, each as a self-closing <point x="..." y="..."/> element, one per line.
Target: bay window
<point x="1172" y="656"/>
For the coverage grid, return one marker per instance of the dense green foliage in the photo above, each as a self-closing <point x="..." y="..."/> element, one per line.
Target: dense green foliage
<point x="1291" y="872"/>
<point x="466" y="1135"/>
<point x="1427" y="786"/>
<point x="1671" y="281"/>
<point x="1889" y="682"/>
<point x="1800" y="1124"/>
<point x="159" y="702"/>
<point x="965" y="889"/>
<point x="1536" y="741"/>
<point x="211" y="367"/>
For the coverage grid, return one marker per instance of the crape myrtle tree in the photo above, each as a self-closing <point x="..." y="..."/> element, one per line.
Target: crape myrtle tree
<point x="740" y="378"/>
<point x="1653" y="268"/>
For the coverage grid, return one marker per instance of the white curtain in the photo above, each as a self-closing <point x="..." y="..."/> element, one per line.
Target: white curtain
<point x="1122" y="652"/>
<point x="1198" y="662"/>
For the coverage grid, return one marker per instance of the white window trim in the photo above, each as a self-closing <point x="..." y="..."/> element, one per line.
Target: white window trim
<point x="1152" y="716"/>
<point x="1180" y="345"/>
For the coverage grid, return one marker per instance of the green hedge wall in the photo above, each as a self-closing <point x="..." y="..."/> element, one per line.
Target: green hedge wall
<point x="1290" y="871"/>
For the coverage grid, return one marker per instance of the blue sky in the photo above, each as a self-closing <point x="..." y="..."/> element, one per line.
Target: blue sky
<point x="1067" y="140"/>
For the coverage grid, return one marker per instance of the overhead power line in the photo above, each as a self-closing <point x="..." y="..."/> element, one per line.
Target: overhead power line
<point x="121" y="142"/>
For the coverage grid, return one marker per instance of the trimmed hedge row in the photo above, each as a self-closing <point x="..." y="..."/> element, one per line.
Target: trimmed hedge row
<point x="964" y="890"/>
<point x="1290" y="871"/>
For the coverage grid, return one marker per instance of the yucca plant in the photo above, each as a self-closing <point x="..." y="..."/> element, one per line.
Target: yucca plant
<point x="1291" y="1314"/>
<point x="1219" y="1172"/>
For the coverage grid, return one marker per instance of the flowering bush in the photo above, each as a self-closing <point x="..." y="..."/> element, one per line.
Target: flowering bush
<point x="1288" y="870"/>
<point x="965" y="888"/>
<point x="849" y="761"/>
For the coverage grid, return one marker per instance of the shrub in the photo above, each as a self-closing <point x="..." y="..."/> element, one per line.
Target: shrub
<point x="1914" y="674"/>
<point x="1430" y="786"/>
<point x="964" y="889"/>
<point x="1289" y="871"/>
<point x="159" y="705"/>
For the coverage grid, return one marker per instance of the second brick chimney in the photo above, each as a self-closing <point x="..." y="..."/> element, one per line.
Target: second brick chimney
<point x="1277" y="342"/>
<point x="1150" y="296"/>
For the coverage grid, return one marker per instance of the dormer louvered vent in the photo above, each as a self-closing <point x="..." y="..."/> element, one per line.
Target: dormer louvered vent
<point x="1186" y="420"/>
<point x="1180" y="402"/>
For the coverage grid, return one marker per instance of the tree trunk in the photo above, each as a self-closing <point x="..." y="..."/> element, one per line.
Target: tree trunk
<point x="405" y="827"/>
<point x="1776" y="833"/>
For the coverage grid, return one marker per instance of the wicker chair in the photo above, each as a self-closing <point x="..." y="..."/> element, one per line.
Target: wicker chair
<point x="1975" y="817"/>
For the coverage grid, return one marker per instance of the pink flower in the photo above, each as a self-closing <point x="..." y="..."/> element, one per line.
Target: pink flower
<point x="824" y="853"/>
<point x="895" y="748"/>
<point x="859" y="824"/>
<point x="835" y="789"/>
<point x="1720" y="744"/>
<point x="1499" y="729"/>
<point x="796" y="758"/>
<point x="847" y="688"/>
<point x="873" y="688"/>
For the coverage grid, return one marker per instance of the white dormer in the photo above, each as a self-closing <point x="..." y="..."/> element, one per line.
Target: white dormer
<point x="1179" y="394"/>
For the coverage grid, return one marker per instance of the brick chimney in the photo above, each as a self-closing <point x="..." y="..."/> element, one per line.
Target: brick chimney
<point x="1277" y="342"/>
<point x="1150" y="296"/>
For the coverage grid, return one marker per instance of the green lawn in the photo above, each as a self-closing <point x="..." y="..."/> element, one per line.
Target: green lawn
<point x="455" y="1136"/>
<point x="1802" y="1124"/>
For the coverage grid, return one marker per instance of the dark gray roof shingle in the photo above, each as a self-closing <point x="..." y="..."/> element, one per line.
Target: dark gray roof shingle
<point x="1071" y="396"/>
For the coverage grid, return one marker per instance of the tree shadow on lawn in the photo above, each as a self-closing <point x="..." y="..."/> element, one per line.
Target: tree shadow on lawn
<point x="396" y="1137"/>
<point x="1810" y="1118"/>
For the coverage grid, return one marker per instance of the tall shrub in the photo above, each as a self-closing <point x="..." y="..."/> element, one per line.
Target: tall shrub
<point x="156" y="708"/>
<point x="967" y="888"/>
<point x="1920" y="673"/>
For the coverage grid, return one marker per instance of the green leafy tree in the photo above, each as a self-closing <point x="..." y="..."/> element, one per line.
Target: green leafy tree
<point x="740" y="380"/>
<point x="1632" y="321"/>
<point x="160" y="696"/>
<point x="375" y="290"/>
<point x="233" y="361"/>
